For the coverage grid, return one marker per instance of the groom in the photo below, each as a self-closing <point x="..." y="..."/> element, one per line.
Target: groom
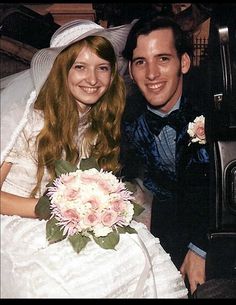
<point x="172" y="154"/>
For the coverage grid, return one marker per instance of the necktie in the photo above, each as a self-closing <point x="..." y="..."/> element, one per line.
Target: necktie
<point x="175" y="120"/>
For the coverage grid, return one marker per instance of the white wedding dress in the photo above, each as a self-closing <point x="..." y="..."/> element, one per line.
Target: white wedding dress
<point x="31" y="268"/>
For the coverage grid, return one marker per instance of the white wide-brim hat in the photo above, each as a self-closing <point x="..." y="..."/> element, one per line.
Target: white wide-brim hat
<point x="70" y="33"/>
<point x="19" y="91"/>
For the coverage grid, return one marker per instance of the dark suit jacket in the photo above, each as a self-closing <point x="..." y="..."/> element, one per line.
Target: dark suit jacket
<point x="180" y="206"/>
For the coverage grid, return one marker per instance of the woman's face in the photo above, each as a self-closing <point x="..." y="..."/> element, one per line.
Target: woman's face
<point x="88" y="78"/>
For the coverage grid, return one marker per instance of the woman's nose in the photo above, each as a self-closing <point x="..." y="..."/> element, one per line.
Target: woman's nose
<point x="92" y="77"/>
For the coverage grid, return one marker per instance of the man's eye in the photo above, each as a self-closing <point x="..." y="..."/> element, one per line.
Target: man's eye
<point x="164" y="58"/>
<point x="139" y="62"/>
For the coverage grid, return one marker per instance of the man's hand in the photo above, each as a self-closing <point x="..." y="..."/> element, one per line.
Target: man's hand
<point x="194" y="268"/>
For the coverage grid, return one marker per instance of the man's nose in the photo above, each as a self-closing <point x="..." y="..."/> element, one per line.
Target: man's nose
<point x="152" y="71"/>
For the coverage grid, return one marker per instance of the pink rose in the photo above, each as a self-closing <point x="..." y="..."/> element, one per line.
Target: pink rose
<point x="196" y="130"/>
<point x="117" y="205"/>
<point x="109" y="218"/>
<point x="87" y="178"/>
<point x="199" y="130"/>
<point x="66" y="179"/>
<point x="71" y="214"/>
<point x="95" y="203"/>
<point x="91" y="219"/>
<point x="71" y="194"/>
<point x="106" y="187"/>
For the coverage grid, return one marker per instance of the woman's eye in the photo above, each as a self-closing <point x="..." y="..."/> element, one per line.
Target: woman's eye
<point x="79" y="67"/>
<point x="104" y="68"/>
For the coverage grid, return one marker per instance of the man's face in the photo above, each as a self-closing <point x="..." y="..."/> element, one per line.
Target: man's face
<point x="157" y="69"/>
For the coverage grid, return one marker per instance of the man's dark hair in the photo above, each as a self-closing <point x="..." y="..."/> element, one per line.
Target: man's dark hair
<point x="145" y="25"/>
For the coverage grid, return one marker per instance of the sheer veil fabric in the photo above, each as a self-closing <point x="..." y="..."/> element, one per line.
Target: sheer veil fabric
<point x="15" y="107"/>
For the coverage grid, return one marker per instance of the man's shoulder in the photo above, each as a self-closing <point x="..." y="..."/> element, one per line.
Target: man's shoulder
<point x="135" y="106"/>
<point x="136" y="123"/>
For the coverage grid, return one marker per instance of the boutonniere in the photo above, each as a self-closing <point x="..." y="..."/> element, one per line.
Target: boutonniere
<point x="196" y="130"/>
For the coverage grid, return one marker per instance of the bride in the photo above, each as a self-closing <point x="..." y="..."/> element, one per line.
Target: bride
<point x="68" y="105"/>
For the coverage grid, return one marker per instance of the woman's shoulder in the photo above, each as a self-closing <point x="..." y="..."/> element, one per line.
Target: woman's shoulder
<point x="35" y="121"/>
<point x="36" y="115"/>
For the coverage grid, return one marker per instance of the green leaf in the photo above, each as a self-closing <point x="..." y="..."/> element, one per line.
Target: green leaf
<point x="89" y="163"/>
<point x="42" y="208"/>
<point x="130" y="230"/>
<point x="109" y="241"/>
<point x="50" y="183"/>
<point x="138" y="209"/>
<point x="53" y="231"/>
<point x="78" y="241"/>
<point x="63" y="167"/>
<point x="130" y="186"/>
<point x="121" y="230"/>
<point x="126" y="229"/>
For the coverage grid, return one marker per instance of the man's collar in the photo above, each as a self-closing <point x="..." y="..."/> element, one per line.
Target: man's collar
<point x="160" y="113"/>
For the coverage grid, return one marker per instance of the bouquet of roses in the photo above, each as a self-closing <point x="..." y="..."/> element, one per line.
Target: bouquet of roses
<point x="87" y="203"/>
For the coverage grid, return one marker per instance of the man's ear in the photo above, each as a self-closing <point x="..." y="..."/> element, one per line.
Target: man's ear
<point x="185" y="63"/>
<point x="130" y="70"/>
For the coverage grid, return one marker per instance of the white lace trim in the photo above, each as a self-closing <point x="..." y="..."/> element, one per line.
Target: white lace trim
<point x="19" y="127"/>
<point x="70" y="34"/>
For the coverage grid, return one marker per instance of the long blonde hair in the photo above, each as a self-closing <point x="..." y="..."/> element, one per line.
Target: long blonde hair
<point x="61" y="117"/>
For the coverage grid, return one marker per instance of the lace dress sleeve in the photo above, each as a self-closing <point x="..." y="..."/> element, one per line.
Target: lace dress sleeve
<point x="23" y="157"/>
<point x="20" y="148"/>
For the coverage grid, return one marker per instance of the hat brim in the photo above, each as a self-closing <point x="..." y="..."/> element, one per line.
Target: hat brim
<point x="43" y="60"/>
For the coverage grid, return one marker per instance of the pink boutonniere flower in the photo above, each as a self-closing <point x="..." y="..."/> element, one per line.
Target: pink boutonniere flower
<point x="196" y="130"/>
